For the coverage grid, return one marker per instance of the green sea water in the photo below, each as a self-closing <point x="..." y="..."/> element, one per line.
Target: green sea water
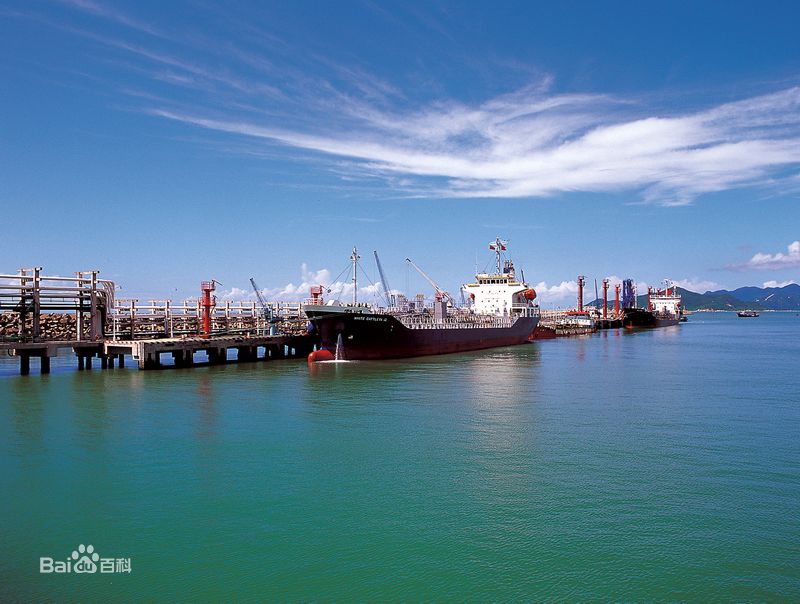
<point x="660" y="465"/>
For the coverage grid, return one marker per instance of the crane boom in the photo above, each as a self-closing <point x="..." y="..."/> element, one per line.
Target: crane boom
<point x="384" y="282"/>
<point x="438" y="289"/>
<point x="265" y="310"/>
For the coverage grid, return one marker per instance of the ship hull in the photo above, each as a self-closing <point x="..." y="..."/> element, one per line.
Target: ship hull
<point x="666" y="322"/>
<point x="371" y="336"/>
<point x="635" y="318"/>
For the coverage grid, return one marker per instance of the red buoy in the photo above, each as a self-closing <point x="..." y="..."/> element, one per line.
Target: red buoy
<point x="320" y="355"/>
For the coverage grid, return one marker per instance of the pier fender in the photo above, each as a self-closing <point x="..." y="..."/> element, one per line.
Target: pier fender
<point x="320" y="355"/>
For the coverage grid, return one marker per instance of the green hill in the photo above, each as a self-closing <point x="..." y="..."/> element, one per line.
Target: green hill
<point x="720" y="300"/>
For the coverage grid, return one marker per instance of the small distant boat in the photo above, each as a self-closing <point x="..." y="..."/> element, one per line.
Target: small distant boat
<point x="747" y="313"/>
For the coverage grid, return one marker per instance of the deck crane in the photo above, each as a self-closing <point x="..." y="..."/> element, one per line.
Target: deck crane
<point x="266" y="311"/>
<point x="438" y="289"/>
<point x="384" y="282"/>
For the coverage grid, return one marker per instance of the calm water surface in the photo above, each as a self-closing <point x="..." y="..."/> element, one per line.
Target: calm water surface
<point x="660" y="465"/>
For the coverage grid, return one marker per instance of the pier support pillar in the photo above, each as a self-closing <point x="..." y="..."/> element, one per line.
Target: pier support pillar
<point x="88" y="361"/>
<point x="217" y="356"/>
<point x="150" y="360"/>
<point x="246" y="353"/>
<point x="121" y="361"/>
<point x="80" y="362"/>
<point x="103" y="361"/>
<point x="45" y="364"/>
<point x="111" y="359"/>
<point x="183" y="358"/>
<point x="24" y="364"/>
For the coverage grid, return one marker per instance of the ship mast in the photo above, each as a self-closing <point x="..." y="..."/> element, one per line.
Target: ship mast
<point x="498" y="245"/>
<point x="355" y="258"/>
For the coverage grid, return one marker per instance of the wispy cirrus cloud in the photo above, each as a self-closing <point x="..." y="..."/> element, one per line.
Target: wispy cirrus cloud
<point x="108" y="12"/>
<point x="528" y="143"/>
<point x="779" y="260"/>
<point x="532" y="144"/>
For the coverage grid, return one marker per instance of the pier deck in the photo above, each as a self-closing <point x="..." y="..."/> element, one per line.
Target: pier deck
<point x="85" y="316"/>
<point x="147" y="353"/>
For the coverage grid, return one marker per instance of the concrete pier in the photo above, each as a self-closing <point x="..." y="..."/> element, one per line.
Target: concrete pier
<point x="42" y="350"/>
<point x="85" y="315"/>
<point x="147" y="353"/>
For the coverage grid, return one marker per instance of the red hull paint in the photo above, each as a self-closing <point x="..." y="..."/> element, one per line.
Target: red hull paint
<point x="543" y="333"/>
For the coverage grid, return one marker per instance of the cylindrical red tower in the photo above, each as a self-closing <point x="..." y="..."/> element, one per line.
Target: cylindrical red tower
<point x="616" y="300"/>
<point x="605" y="298"/>
<point x="206" y="304"/>
<point x="581" y="282"/>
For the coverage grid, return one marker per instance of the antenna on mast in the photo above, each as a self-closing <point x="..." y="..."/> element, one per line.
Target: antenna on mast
<point x="498" y="246"/>
<point x="355" y="258"/>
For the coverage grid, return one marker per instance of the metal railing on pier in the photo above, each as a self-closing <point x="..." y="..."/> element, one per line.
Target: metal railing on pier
<point x="29" y="294"/>
<point x="42" y="308"/>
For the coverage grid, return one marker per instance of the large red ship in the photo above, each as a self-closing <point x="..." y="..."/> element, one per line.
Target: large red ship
<point x="500" y="310"/>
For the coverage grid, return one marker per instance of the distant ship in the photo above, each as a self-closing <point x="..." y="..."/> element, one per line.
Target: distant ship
<point x="663" y="306"/>
<point x="747" y="313"/>
<point x="499" y="310"/>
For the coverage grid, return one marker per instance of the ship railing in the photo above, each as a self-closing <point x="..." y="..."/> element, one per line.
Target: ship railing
<point x="474" y="322"/>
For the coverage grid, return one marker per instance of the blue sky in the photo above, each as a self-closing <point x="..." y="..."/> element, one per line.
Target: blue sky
<point x="166" y="143"/>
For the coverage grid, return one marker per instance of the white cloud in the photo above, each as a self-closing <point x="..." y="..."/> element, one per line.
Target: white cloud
<point x="236" y="293"/>
<point x="779" y="260"/>
<point x="700" y="286"/>
<point x="774" y="283"/>
<point x="564" y="293"/>
<point x="531" y="144"/>
<point x="297" y="292"/>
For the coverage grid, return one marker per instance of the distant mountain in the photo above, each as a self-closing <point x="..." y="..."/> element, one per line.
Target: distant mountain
<point x="719" y="300"/>
<point x="768" y="298"/>
<point x="756" y="298"/>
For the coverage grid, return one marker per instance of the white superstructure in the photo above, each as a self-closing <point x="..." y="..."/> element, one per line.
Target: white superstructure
<point x="667" y="301"/>
<point x="501" y="293"/>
